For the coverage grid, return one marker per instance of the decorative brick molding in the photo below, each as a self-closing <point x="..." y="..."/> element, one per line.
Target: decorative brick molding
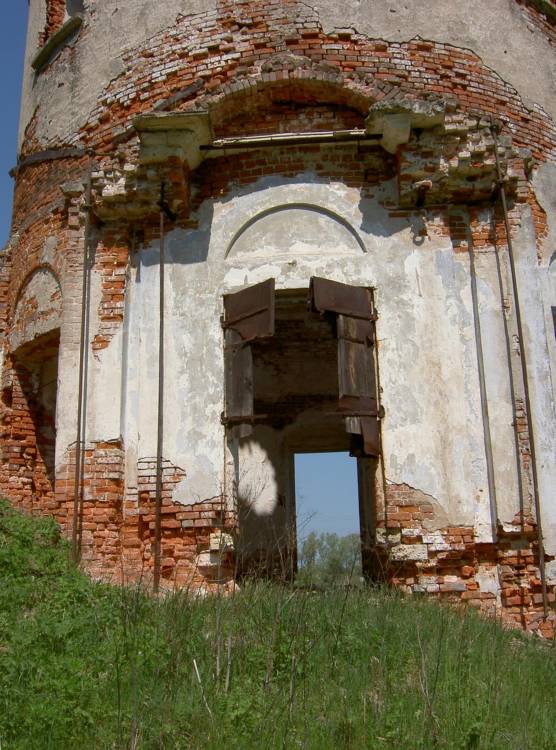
<point x="233" y="58"/>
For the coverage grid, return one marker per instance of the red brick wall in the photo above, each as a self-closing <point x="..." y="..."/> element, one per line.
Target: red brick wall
<point x="118" y="525"/>
<point x="449" y="562"/>
<point x="542" y="15"/>
<point x="231" y="54"/>
<point x="111" y="261"/>
<point x="27" y="433"/>
<point x="55" y="15"/>
<point x="186" y="530"/>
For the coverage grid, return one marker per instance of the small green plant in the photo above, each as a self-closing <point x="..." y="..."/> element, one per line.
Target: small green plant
<point x="84" y="664"/>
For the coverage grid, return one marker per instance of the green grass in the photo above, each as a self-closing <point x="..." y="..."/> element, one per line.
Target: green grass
<point x="84" y="665"/>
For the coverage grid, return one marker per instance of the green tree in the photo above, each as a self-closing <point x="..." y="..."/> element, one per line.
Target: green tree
<point x="327" y="559"/>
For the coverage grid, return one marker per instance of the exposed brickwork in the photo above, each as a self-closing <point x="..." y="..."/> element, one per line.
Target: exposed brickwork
<point x="118" y="523"/>
<point x="55" y="16"/>
<point x="449" y="562"/>
<point x="5" y="273"/>
<point x="348" y="164"/>
<point x="229" y="53"/>
<point x="541" y="225"/>
<point x="27" y="436"/>
<point x="186" y="531"/>
<point x="111" y="261"/>
<point x="301" y="112"/>
<point x="541" y="14"/>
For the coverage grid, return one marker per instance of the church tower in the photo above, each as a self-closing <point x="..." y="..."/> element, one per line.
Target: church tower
<point x="245" y="230"/>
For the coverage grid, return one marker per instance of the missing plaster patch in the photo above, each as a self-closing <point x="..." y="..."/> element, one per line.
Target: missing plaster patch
<point x="419" y="507"/>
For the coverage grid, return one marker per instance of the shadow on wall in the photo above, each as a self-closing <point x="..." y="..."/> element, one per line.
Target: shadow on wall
<point x="182" y="246"/>
<point x="266" y="534"/>
<point x="295" y="228"/>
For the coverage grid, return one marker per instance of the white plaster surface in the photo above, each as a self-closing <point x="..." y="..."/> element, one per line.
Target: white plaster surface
<point x="498" y="385"/>
<point x="520" y="55"/>
<point x="291" y="230"/>
<point x="433" y="433"/>
<point x="543" y="184"/>
<point x="536" y="337"/>
<point x="488" y="580"/>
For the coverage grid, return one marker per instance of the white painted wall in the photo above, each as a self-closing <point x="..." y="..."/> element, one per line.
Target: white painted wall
<point x="433" y="430"/>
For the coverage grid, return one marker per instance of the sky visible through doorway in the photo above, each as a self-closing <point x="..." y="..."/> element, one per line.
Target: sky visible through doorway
<point x="326" y="493"/>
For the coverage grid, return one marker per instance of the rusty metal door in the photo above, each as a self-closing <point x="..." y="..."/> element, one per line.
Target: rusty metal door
<point x="248" y="316"/>
<point x="354" y="313"/>
<point x="366" y="471"/>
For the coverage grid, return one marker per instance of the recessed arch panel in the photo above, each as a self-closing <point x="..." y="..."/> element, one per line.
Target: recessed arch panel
<point x="38" y="308"/>
<point x="295" y="229"/>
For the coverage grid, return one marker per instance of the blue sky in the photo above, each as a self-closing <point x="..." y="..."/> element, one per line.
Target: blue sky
<point x="326" y="493"/>
<point x="12" y="44"/>
<point x="326" y="484"/>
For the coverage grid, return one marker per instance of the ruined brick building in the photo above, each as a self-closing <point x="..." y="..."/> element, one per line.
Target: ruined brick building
<point x="354" y="208"/>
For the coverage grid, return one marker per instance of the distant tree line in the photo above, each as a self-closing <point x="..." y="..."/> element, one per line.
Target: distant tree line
<point x="327" y="559"/>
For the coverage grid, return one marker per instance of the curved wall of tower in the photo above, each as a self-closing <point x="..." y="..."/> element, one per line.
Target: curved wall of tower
<point x="355" y="143"/>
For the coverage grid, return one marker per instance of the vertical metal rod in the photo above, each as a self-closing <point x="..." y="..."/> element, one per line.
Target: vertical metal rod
<point x="383" y="479"/>
<point x="160" y="427"/>
<point x="84" y="401"/>
<point x="79" y="448"/>
<point x="482" y="385"/>
<point x="523" y="357"/>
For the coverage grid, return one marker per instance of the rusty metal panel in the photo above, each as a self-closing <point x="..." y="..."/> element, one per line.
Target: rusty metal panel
<point x="250" y="312"/>
<point x="355" y="329"/>
<point x="370" y="429"/>
<point x="357" y="390"/>
<point x="356" y="371"/>
<point x="238" y="382"/>
<point x="356" y="375"/>
<point x="335" y="297"/>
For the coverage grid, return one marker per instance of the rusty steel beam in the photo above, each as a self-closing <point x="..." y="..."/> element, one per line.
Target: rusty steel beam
<point x="523" y="359"/>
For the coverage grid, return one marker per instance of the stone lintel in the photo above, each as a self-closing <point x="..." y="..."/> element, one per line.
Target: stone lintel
<point x="173" y="134"/>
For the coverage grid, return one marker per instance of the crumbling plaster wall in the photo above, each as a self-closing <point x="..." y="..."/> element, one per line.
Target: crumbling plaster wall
<point x="536" y="274"/>
<point x="38" y="308"/>
<point x="522" y="55"/>
<point x="434" y="437"/>
<point x="433" y="431"/>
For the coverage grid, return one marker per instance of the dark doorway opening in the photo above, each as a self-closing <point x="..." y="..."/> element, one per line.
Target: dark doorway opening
<point x="300" y="378"/>
<point x="35" y="390"/>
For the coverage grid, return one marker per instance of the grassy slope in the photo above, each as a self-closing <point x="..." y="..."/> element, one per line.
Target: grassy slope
<point x="87" y="665"/>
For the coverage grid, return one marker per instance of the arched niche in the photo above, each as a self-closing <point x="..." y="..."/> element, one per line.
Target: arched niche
<point x="38" y="308"/>
<point x="295" y="230"/>
<point x="267" y="105"/>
